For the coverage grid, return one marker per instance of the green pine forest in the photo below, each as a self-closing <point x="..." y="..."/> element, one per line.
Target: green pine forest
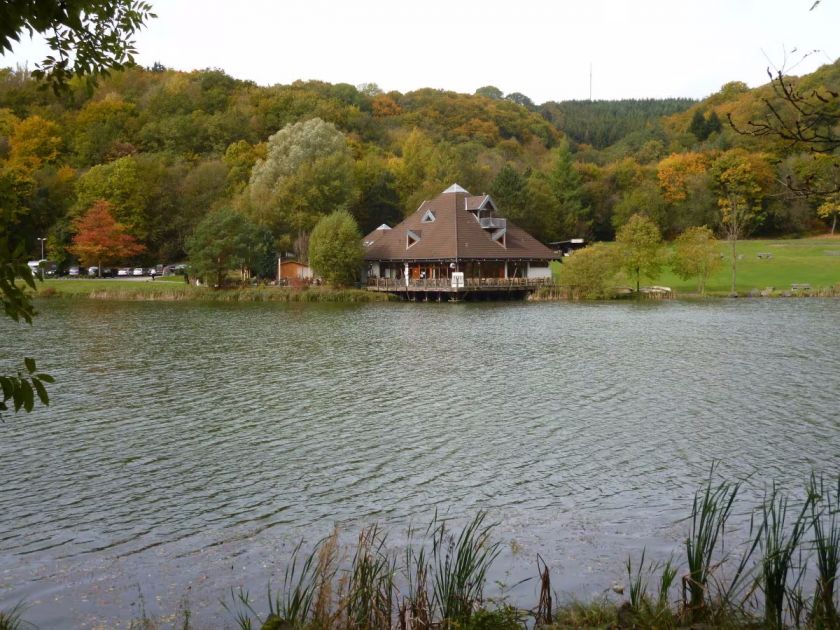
<point x="166" y="148"/>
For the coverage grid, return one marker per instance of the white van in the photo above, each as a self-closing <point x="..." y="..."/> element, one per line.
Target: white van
<point x="48" y="267"/>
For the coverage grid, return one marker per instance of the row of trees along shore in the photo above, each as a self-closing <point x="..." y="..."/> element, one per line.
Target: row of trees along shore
<point x="639" y="253"/>
<point x="167" y="149"/>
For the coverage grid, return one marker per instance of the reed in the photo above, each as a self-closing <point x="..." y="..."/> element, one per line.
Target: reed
<point x="369" y="600"/>
<point x="12" y="619"/>
<point x="825" y="524"/>
<point x="289" y="607"/>
<point x="638" y="582"/>
<point x="710" y="512"/>
<point x="460" y="567"/>
<point x="779" y="541"/>
<point x="416" y="609"/>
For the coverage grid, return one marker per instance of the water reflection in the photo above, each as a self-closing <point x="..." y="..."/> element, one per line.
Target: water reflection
<point x="191" y="445"/>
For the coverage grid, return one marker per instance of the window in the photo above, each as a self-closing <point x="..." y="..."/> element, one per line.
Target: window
<point x="411" y="238"/>
<point x="429" y="217"/>
<point x="500" y="237"/>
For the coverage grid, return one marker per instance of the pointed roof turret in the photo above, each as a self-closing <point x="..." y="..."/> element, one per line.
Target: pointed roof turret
<point x="455" y="188"/>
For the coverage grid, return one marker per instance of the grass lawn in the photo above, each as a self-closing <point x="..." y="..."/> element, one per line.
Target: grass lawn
<point x="814" y="261"/>
<point x="168" y="289"/>
<point x="81" y="286"/>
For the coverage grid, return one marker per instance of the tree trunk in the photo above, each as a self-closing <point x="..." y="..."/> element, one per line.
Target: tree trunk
<point x="834" y="224"/>
<point x="99" y="268"/>
<point x="732" y="242"/>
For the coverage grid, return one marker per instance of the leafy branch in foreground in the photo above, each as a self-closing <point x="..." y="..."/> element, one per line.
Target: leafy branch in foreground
<point x="87" y="38"/>
<point x="20" y="388"/>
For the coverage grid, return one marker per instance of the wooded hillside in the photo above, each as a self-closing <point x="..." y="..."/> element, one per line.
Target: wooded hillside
<point x="165" y="148"/>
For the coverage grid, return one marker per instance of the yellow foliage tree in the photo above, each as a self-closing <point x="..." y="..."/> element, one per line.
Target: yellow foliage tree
<point x="829" y="209"/>
<point x="674" y="171"/>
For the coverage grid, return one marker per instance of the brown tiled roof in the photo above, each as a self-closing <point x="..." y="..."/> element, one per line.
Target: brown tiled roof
<point x="454" y="233"/>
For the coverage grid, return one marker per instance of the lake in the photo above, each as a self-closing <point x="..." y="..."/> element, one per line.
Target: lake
<point x="189" y="447"/>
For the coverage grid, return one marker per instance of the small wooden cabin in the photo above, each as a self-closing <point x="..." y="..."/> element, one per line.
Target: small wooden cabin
<point x="293" y="270"/>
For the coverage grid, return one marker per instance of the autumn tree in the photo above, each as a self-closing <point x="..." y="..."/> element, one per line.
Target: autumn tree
<point x="696" y="255"/>
<point x="335" y="249"/>
<point x="222" y="242"/>
<point x="307" y="173"/>
<point x="639" y="248"/>
<point x="675" y="171"/>
<point x="738" y="176"/>
<point x="100" y="239"/>
<point x="830" y="209"/>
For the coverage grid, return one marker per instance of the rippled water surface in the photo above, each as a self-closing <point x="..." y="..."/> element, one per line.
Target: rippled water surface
<point x="189" y="447"/>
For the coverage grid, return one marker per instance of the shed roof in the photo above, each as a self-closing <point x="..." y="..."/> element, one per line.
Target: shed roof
<point x="444" y="228"/>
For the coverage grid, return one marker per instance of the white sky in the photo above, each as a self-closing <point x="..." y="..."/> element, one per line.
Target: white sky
<point x="542" y="48"/>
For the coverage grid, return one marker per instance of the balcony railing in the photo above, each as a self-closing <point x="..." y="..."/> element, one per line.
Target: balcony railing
<point x="492" y="223"/>
<point x="445" y="284"/>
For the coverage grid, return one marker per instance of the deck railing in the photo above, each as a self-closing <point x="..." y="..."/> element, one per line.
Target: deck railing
<point x="445" y="284"/>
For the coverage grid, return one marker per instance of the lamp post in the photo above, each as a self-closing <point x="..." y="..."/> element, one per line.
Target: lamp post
<point x="41" y="263"/>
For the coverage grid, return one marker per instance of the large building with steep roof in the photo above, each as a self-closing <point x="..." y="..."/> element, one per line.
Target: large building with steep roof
<point x="456" y="241"/>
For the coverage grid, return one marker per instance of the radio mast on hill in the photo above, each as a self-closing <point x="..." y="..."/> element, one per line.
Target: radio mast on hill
<point x="590" y="81"/>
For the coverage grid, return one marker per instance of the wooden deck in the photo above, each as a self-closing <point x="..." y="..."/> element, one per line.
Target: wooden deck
<point x="442" y="287"/>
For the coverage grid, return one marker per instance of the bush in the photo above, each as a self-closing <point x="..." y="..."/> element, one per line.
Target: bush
<point x="335" y="249"/>
<point x="589" y="272"/>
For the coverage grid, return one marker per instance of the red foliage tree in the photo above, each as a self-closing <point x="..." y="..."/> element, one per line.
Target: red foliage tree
<point x="101" y="239"/>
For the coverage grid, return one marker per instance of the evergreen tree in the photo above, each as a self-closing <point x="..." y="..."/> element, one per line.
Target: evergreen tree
<point x="713" y="124"/>
<point x="698" y="126"/>
<point x="568" y="217"/>
<point x="510" y="193"/>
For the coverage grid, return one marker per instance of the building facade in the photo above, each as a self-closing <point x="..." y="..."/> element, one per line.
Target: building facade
<point x="456" y="243"/>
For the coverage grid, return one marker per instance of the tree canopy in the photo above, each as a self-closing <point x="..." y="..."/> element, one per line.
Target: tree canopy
<point x="100" y="239"/>
<point x="307" y="172"/>
<point x="223" y="241"/>
<point x="335" y="249"/>
<point x="640" y="248"/>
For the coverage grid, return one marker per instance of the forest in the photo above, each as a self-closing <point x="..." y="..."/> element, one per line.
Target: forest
<point x="164" y="149"/>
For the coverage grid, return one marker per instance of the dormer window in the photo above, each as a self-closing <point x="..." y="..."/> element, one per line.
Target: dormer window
<point x="429" y="217"/>
<point x="500" y="236"/>
<point x="411" y="237"/>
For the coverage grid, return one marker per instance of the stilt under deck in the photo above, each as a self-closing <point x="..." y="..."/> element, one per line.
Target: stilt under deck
<point x="442" y="290"/>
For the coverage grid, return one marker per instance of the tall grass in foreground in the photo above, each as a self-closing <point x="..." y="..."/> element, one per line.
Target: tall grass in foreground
<point x="782" y="573"/>
<point x="761" y="582"/>
<point x="12" y="619"/>
<point x="825" y="526"/>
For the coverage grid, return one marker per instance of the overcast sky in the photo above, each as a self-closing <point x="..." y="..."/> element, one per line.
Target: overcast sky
<point x="542" y="48"/>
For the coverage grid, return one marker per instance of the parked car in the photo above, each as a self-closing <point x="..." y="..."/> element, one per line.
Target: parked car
<point x="74" y="271"/>
<point x="107" y="272"/>
<point x="43" y="266"/>
<point x="93" y="271"/>
<point x="123" y="272"/>
<point x="138" y="271"/>
<point x="178" y="269"/>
